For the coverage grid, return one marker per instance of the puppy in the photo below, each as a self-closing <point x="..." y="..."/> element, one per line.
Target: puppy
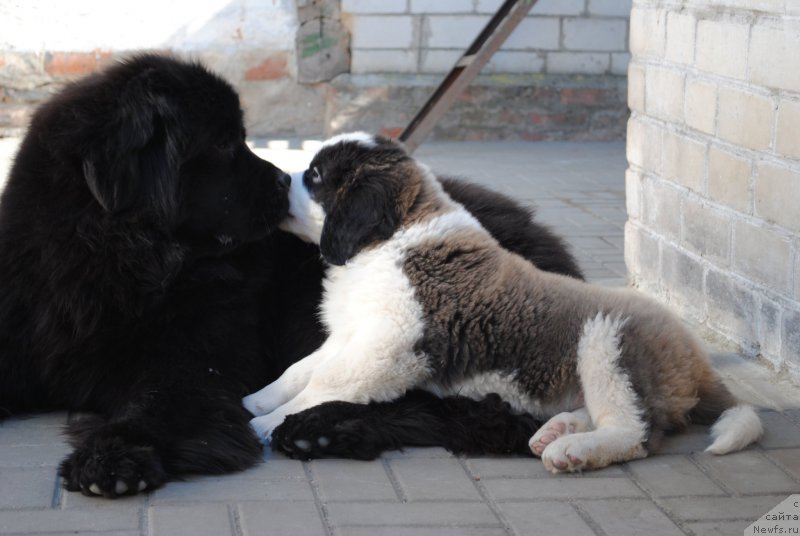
<point x="420" y="295"/>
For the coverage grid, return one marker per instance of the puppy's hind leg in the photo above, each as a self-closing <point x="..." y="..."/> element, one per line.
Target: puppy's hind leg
<point x="612" y="405"/>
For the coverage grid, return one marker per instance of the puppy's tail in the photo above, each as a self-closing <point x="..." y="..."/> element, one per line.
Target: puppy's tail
<point x="735" y="425"/>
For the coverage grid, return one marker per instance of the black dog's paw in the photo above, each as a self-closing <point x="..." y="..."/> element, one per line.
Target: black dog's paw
<point x="324" y="431"/>
<point x="110" y="467"/>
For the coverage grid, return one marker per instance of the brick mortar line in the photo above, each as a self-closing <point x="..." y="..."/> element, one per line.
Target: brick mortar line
<point x="235" y="519"/>
<point x="593" y="525"/>
<point x="487" y="498"/>
<point x="703" y="8"/>
<point x="765" y="454"/>
<point x="711" y="475"/>
<point x="402" y="496"/>
<point x="318" y="502"/>
<point x="668" y="513"/>
<point x="57" y="501"/>
<point x="144" y="516"/>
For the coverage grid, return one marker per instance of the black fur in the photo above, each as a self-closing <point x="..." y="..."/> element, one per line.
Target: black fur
<point x="141" y="279"/>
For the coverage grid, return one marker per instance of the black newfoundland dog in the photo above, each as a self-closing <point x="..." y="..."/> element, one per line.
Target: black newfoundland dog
<point x="142" y="279"/>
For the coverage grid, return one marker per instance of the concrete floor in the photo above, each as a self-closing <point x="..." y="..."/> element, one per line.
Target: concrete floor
<point x="579" y="190"/>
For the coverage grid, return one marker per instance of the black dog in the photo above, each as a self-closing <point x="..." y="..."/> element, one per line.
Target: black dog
<point x="141" y="278"/>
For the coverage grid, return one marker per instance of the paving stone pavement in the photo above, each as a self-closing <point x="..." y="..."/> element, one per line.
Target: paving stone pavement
<point x="579" y="190"/>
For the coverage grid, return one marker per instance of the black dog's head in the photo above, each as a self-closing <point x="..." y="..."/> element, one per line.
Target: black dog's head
<point x="357" y="191"/>
<point x="162" y="140"/>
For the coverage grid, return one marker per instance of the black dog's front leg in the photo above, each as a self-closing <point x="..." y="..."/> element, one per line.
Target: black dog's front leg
<point x="419" y="419"/>
<point x="157" y="435"/>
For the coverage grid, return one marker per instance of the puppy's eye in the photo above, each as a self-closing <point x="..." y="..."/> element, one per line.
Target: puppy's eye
<point x="314" y="177"/>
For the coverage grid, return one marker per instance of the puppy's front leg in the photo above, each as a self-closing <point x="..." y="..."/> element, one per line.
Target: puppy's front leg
<point x="291" y="382"/>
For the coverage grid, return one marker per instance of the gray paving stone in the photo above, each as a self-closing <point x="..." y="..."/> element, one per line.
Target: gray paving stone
<point x="414" y="452"/>
<point x="399" y="514"/>
<point x="232" y="488"/>
<point x="19" y="433"/>
<point x="422" y="479"/>
<point x="190" y="520"/>
<point x="276" y="469"/>
<point x="721" y="508"/>
<point x="27" y="487"/>
<point x="748" y="472"/>
<point x="544" y="518"/>
<point x="520" y="489"/>
<point x="779" y="431"/>
<point x="349" y="480"/>
<point x="718" y="528"/>
<point x="280" y="519"/>
<point x="78" y="501"/>
<point x="665" y="476"/>
<point x="788" y="459"/>
<point x="528" y="468"/>
<point x="694" y="439"/>
<point x="33" y="455"/>
<point x="47" y="521"/>
<point x="420" y="531"/>
<point x="634" y="518"/>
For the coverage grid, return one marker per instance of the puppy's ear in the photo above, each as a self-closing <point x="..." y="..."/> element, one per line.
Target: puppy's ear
<point x="134" y="167"/>
<point x="367" y="212"/>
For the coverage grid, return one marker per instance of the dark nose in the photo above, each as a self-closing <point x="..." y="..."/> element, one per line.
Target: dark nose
<point x="285" y="181"/>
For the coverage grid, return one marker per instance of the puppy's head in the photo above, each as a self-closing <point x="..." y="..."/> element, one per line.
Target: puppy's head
<point x="356" y="192"/>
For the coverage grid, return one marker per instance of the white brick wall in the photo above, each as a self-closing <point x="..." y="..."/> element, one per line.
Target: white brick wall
<point x="714" y="168"/>
<point x="558" y="36"/>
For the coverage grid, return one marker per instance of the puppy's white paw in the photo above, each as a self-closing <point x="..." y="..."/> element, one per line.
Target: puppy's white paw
<point x="263" y="402"/>
<point x="562" y="424"/>
<point x="263" y="426"/>
<point x="567" y="454"/>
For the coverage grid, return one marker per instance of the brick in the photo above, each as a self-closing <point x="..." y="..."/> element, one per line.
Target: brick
<point x="647" y="31"/>
<point x="423" y="479"/>
<point x="577" y="62"/>
<point x="523" y="517"/>
<point x="729" y="179"/>
<point x="684" y="161"/>
<point x="706" y="231"/>
<point x="382" y="32"/>
<point x="630" y="518"/>
<point x="556" y="7"/>
<point x="664" y="94"/>
<point x="374" y="6"/>
<point x="642" y="254"/>
<point x="721" y="508"/>
<point x="619" y="62"/>
<point x="791" y="337"/>
<point x="453" y="31"/>
<point x="671" y="476"/>
<point x="680" y="38"/>
<point x="748" y="472"/>
<point x="281" y="519"/>
<point x="515" y="61"/>
<point x="271" y="68"/>
<point x="534" y="33"/>
<point x="700" y="108"/>
<point x="441" y="6"/>
<point x="730" y="308"/>
<point x="683" y="277"/>
<point x="382" y="61"/>
<point x="722" y="48"/>
<point x="636" y="84"/>
<point x="594" y="34"/>
<point x="419" y="513"/>
<point x="199" y="520"/>
<point x="27" y="487"/>
<point x="633" y="194"/>
<point x="437" y="61"/>
<point x="775" y="196"/>
<point x="745" y="119"/>
<point x="75" y="63"/>
<point x="787" y="135"/>
<point x="569" y="487"/>
<point x="769" y="332"/>
<point x="761" y="255"/>
<point x="612" y="8"/>
<point x="349" y="480"/>
<point x="644" y="145"/>
<point x="78" y="521"/>
<point x="661" y="203"/>
<point x="771" y="50"/>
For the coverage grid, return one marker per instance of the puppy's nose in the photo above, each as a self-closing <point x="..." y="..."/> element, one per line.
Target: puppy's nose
<point x="284" y="181"/>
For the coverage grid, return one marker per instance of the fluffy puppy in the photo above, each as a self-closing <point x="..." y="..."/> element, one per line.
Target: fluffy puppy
<point x="419" y="294"/>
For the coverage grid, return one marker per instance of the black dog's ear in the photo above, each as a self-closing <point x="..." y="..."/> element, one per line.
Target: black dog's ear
<point x="135" y="166"/>
<point x="366" y="213"/>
